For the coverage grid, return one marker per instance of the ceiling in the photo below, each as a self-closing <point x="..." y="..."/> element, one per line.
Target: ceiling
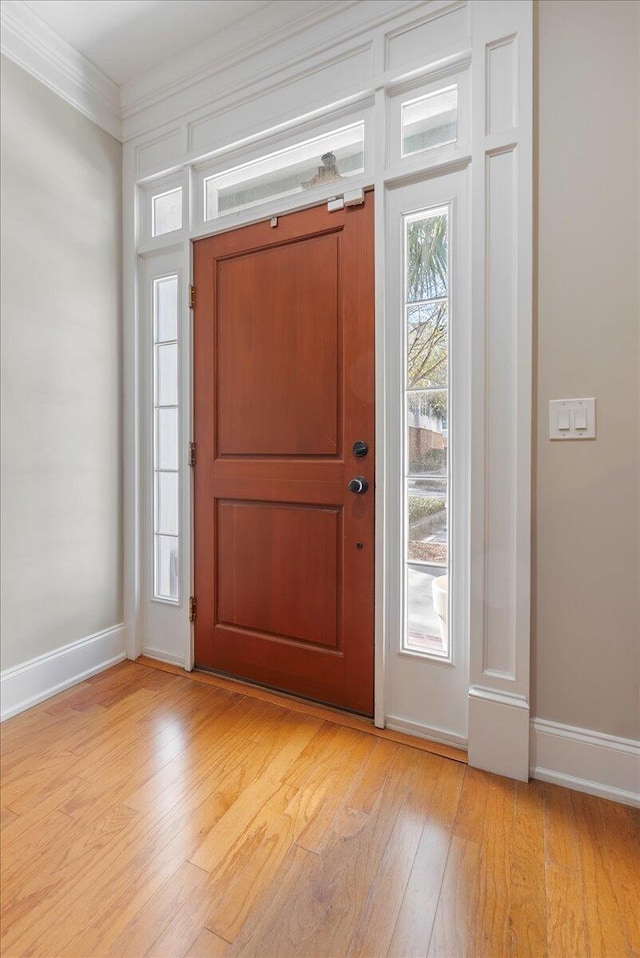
<point x="126" y="38"/>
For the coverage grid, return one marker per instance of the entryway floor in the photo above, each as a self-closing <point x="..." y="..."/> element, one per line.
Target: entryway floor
<point x="324" y="712"/>
<point x="144" y="813"/>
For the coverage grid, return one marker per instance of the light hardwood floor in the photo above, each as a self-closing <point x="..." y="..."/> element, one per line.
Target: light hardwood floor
<point x="144" y="813"/>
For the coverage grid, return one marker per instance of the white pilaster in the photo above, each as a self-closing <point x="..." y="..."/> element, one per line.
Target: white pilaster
<point x="501" y="539"/>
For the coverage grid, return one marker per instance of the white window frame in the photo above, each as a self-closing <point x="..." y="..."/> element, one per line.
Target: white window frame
<point x="160" y="617"/>
<point x="147" y="242"/>
<point x="408" y="92"/>
<point x="271" y="144"/>
<point x="156" y="470"/>
<point x="410" y="675"/>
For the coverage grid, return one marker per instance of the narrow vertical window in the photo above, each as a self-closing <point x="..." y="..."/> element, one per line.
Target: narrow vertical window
<point x="166" y="212"/>
<point x="165" y="438"/>
<point x="430" y="121"/>
<point x="426" y="431"/>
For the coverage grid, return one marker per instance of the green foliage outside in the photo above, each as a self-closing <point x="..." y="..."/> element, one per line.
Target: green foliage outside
<point x="427" y="268"/>
<point x="421" y="507"/>
<point x="432" y="461"/>
<point x="427" y="273"/>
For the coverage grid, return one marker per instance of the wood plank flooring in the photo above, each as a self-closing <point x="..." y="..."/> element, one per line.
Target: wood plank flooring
<point x="145" y="814"/>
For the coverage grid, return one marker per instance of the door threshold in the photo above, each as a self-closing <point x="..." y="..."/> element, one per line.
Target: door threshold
<point x="326" y="713"/>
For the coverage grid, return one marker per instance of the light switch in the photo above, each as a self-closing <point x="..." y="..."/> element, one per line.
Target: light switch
<point x="572" y="419"/>
<point x="580" y="418"/>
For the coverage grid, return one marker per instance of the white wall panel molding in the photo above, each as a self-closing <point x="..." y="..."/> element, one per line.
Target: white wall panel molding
<point x="501" y="279"/>
<point x="210" y="58"/>
<point x="501" y="88"/>
<point x="38" y="679"/>
<point x="34" y="46"/>
<point x="306" y="87"/>
<point x="151" y="100"/>
<point x="498" y="732"/>
<point x="455" y="58"/>
<point x="590" y="762"/>
<point x="315" y="74"/>
<point x="502" y="267"/>
<point x="420" y="39"/>
<point x="411" y="172"/>
<point x="157" y="151"/>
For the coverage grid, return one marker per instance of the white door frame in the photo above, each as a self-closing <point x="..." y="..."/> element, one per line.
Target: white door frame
<point x="364" y="57"/>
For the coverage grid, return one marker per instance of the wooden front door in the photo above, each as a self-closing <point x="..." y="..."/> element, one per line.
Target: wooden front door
<point x="284" y="387"/>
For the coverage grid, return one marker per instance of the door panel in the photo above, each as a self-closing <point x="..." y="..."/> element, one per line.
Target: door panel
<point x="277" y="362"/>
<point x="279" y="569"/>
<point x="284" y="385"/>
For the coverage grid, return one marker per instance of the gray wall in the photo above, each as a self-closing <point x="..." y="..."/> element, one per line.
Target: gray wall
<point x="61" y="379"/>
<point x="587" y="523"/>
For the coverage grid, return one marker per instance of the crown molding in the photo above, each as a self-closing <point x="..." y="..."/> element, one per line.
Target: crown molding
<point x="34" y="46"/>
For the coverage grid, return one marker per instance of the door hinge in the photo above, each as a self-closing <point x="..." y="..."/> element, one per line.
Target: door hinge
<point x="192" y="297"/>
<point x="192" y="454"/>
<point x="193" y="608"/>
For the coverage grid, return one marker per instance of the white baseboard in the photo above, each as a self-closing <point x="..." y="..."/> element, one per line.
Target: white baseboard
<point x="163" y="656"/>
<point x="587" y="761"/>
<point x="499" y="733"/>
<point x="38" y="679"/>
<point x="425" y="731"/>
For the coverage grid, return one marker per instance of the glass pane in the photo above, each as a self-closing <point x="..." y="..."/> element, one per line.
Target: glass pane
<point x="427" y="258"/>
<point x="167" y="375"/>
<point x="165" y="309"/>
<point x="166" y="567"/>
<point x="430" y="121"/>
<point x="427" y="343"/>
<point x="166" y="444"/>
<point x="316" y="162"/>
<point x="427" y="610"/>
<point x="167" y="503"/>
<point x="427" y="434"/>
<point x="427" y="520"/>
<point x="167" y="212"/>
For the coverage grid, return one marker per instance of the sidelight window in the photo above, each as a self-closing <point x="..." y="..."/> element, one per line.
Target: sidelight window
<point x="165" y="438"/>
<point x="426" y="430"/>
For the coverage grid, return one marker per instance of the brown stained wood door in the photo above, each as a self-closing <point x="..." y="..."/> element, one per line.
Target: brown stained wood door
<point x="284" y="386"/>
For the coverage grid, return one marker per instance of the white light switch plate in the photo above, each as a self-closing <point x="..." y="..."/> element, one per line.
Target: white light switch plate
<point x="566" y="418"/>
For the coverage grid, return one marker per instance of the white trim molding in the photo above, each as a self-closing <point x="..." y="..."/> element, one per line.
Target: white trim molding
<point x="427" y="732"/>
<point x="501" y="372"/>
<point x="32" y="682"/>
<point x="34" y="46"/>
<point x="359" y="60"/>
<point x="499" y="732"/>
<point x="216" y="54"/>
<point x="217" y="70"/>
<point x="161" y="656"/>
<point x="587" y="761"/>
